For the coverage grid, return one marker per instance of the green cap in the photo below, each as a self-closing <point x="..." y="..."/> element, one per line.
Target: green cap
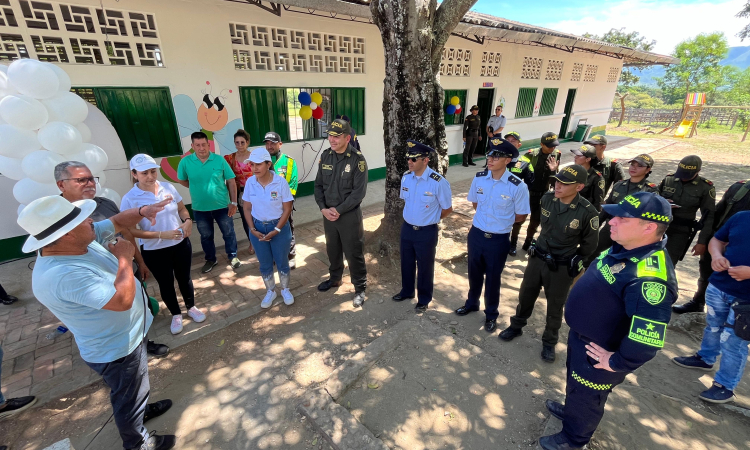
<point x="550" y="139"/>
<point x="339" y="127"/>
<point x="596" y="140"/>
<point x="572" y="174"/>
<point x="586" y="150"/>
<point x="688" y="167"/>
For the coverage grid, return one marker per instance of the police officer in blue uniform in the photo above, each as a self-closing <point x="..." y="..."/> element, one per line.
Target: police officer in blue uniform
<point x="522" y="168"/>
<point x="500" y="200"/>
<point x="427" y="200"/>
<point x="618" y="313"/>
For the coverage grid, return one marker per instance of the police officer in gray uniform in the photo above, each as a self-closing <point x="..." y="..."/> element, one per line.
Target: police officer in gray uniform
<point x="340" y="186"/>
<point x="500" y="199"/>
<point x="427" y="200"/>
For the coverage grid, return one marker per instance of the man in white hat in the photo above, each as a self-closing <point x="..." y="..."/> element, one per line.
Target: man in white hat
<point x="93" y="291"/>
<point x="76" y="182"/>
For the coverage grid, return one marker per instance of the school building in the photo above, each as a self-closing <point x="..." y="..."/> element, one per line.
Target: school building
<point x="160" y="70"/>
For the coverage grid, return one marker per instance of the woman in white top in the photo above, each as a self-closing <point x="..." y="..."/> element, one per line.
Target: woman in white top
<point x="268" y="202"/>
<point x="166" y="248"/>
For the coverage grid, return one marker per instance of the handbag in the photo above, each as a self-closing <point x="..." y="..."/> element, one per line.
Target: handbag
<point x="742" y="320"/>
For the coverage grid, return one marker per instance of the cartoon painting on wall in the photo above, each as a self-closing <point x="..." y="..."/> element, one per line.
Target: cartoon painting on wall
<point x="211" y="117"/>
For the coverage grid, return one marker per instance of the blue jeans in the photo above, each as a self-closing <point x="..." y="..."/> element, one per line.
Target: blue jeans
<point x="721" y="340"/>
<point x="277" y="250"/>
<point x="127" y="379"/>
<point x="205" y="222"/>
<point x="2" y="399"/>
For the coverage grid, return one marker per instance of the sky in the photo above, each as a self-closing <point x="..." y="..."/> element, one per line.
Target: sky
<point x="667" y="21"/>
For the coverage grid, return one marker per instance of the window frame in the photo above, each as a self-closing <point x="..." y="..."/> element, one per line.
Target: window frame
<point x="462" y="94"/>
<point x="530" y="94"/>
<point x="549" y="99"/>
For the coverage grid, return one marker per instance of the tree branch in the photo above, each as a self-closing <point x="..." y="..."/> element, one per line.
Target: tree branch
<point x="447" y="16"/>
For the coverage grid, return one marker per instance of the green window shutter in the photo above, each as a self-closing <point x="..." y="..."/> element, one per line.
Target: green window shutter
<point x="350" y="102"/>
<point x="525" y="104"/>
<point x="455" y="119"/>
<point x="549" y="98"/>
<point x="143" y="118"/>
<point x="263" y="110"/>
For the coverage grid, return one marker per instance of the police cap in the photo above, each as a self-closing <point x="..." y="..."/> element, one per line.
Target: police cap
<point x="339" y="127"/>
<point x="642" y="205"/>
<point x="571" y="174"/>
<point x="502" y="148"/>
<point x="643" y="159"/>
<point x="416" y="149"/>
<point x="688" y="167"/>
<point x="514" y="134"/>
<point x="586" y="150"/>
<point x="596" y="140"/>
<point x="550" y="139"/>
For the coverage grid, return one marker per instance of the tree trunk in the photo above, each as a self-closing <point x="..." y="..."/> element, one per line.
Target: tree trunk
<point x="414" y="33"/>
<point x="622" y="106"/>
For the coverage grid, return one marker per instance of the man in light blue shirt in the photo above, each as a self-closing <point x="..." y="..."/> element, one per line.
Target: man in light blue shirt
<point x="427" y="200"/>
<point x="93" y="291"/>
<point x="500" y="200"/>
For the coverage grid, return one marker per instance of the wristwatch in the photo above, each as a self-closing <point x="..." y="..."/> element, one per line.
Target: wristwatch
<point x="233" y="203"/>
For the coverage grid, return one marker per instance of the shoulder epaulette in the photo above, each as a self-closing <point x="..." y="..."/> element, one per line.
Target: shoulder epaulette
<point x="358" y="152"/>
<point x="653" y="185"/>
<point x="406" y="173"/>
<point x="514" y="179"/>
<point x="481" y="174"/>
<point x="598" y="173"/>
<point x="435" y="176"/>
<point x="709" y="182"/>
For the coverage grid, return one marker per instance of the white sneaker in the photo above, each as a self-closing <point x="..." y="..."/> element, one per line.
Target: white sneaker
<point x="268" y="299"/>
<point x="196" y="314"/>
<point x="288" y="297"/>
<point x="176" y="327"/>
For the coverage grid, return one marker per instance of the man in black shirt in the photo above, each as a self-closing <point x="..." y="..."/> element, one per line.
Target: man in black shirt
<point x="544" y="167"/>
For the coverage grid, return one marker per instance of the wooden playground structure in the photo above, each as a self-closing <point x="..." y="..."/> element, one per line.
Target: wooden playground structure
<point x="687" y="126"/>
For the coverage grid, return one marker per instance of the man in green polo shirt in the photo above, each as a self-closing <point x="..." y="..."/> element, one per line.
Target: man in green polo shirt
<point x="214" y="196"/>
<point x="286" y="167"/>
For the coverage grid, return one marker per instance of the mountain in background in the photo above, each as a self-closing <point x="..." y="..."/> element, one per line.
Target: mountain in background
<point x="738" y="57"/>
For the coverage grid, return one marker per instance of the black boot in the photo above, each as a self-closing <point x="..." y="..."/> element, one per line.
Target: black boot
<point x="691" y="306"/>
<point x="526" y="245"/>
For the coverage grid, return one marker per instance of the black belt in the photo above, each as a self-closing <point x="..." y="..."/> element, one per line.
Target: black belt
<point x="422" y="227"/>
<point x="681" y="222"/>
<point x="490" y="235"/>
<point x="542" y="255"/>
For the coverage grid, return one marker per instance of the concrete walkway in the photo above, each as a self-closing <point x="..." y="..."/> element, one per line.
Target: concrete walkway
<point x="35" y="365"/>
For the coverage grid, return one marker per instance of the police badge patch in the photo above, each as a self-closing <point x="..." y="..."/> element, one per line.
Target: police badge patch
<point x="348" y="168"/>
<point x="601" y="184"/>
<point x="653" y="292"/>
<point x="617" y="268"/>
<point x="361" y="166"/>
<point x="574" y="224"/>
<point x="595" y="223"/>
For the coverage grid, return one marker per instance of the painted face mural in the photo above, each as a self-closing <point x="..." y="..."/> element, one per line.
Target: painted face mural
<point x="211" y="117"/>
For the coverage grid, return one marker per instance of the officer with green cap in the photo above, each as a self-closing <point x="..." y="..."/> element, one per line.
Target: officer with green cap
<point x="734" y="200"/>
<point x="570" y="227"/>
<point x="689" y="192"/>
<point x="617" y="314"/>
<point x="611" y="170"/>
<point x="639" y="169"/>
<point x="340" y="186"/>
<point x="522" y="168"/>
<point x="594" y="189"/>
<point x="545" y="161"/>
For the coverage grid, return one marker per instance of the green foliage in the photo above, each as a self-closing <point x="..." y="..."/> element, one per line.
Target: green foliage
<point x="710" y="123"/>
<point x="699" y="69"/>
<point x="640" y="96"/>
<point x="744" y="13"/>
<point x="632" y="40"/>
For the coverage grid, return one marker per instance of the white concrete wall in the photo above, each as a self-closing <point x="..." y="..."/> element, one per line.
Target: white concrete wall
<point x="196" y="48"/>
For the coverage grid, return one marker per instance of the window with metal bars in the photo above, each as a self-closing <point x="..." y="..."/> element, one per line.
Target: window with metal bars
<point x="549" y="98"/>
<point x="307" y="129"/>
<point x="525" y="103"/>
<point x="458" y="118"/>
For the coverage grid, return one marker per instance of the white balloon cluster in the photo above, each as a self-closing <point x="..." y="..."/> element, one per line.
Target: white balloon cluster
<point x="41" y="125"/>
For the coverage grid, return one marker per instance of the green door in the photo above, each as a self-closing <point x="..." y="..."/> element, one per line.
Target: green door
<point x="263" y="110"/>
<point x="568" y="111"/>
<point x="484" y="101"/>
<point x="143" y="118"/>
<point x="350" y="102"/>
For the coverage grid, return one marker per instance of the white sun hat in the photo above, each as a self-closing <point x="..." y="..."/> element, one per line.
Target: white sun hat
<point x="259" y="155"/>
<point x="47" y="219"/>
<point x="142" y="162"/>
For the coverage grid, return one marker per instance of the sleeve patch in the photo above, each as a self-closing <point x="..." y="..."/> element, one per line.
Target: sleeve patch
<point x="647" y="331"/>
<point x="362" y="166"/>
<point x="653" y="266"/>
<point x="595" y="223"/>
<point x="653" y="292"/>
<point x="515" y="180"/>
<point x="435" y="176"/>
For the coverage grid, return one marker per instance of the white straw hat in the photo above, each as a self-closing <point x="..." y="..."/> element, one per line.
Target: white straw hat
<point x="47" y="219"/>
<point x="259" y="155"/>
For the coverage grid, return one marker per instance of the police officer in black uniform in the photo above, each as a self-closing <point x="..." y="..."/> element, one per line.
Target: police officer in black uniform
<point x="735" y="199"/>
<point x="545" y="160"/>
<point x="617" y="313"/>
<point x="340" y="186"/>
<point x="522" y="168"/>
<point x="472" y="136"/>
<point x="427" y="200"/>
<point x="594" y="189"/>
<point x="611" y="170"/>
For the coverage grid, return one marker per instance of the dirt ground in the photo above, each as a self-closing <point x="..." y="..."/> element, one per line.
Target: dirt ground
<point x="237" y="388"/>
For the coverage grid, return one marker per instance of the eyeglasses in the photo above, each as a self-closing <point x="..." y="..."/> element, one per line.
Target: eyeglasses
<point x="496" y="157"/>
<point x="83" y="181"/>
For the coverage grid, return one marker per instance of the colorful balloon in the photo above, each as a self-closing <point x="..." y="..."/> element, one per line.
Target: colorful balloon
<point x="313" y="106"/>
<point x="316" y="97"/>
<point x="318" y="113"/>
<point x="305" y="113"/>
<point x="304" y="98"/>
<point x="455" y="100"/>
<point x="450" y="110"/>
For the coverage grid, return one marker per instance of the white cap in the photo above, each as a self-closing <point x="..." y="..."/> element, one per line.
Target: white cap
<point x="259" y="155"/>
<point x="142" y="162"/>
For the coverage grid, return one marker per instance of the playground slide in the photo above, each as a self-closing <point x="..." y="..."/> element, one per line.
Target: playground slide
<point x="683" y="129"/>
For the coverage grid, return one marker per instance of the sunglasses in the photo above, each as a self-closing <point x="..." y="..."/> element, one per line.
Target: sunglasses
<point x="414" y="159"/>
